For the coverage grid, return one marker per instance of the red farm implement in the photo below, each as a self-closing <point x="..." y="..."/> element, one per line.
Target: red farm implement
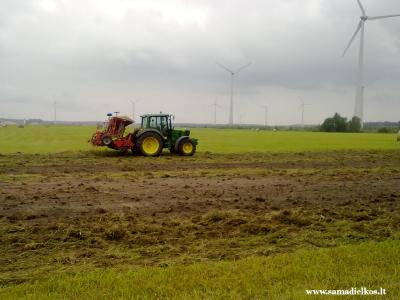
<point x="112" y="133"/>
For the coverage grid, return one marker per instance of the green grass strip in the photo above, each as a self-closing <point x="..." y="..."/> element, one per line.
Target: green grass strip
<point x="285" y="276"/>
<point x="59" y="138"/>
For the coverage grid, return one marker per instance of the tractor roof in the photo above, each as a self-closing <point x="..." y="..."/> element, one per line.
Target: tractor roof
<point x="155" y="115"/>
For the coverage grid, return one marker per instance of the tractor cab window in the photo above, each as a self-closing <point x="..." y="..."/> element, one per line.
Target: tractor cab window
<point x="153" y="122"/>
<point x="144" y="122"/>
<point x="162" y="123"/>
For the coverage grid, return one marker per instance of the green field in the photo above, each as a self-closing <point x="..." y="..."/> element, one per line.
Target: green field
<point x="292" y="211"/>
<point x="370" y="265"/>
<point x="51" y="139"/>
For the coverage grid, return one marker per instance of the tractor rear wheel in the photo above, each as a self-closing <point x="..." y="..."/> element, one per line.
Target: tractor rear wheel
<point x="150" y="144"/>
<point x="186" y="147"/>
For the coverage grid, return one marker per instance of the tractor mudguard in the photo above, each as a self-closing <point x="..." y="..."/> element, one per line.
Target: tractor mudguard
<point x="148" y="130"/>
<point x="179" y="140"/>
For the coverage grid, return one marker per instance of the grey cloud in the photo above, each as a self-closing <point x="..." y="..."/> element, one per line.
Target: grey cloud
<point x="169" y="48"/>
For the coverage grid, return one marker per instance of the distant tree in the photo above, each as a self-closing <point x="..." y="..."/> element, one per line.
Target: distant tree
<point x="340" y="123"/>
<point x="328" y="125"/>
<point x="335" y="124"/>
<point x="355" y="124"/>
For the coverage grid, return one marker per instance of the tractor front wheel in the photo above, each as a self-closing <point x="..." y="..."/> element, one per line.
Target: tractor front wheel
<point x="150" y="144"/>
<point x="187" y="147"/>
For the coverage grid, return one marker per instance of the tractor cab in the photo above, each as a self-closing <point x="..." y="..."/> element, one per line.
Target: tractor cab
<point x="160" y="122"/>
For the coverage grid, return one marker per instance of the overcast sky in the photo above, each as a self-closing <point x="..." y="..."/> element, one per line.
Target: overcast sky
<point x="94" y="56"/>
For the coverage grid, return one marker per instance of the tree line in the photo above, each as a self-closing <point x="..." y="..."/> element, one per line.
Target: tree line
<point x="340" y="124"/>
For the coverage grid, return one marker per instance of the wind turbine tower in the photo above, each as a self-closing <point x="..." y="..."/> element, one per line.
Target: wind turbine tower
<point x="55" y="110"/>
<point x="302" y="106"/>
<point x="240" y="118"/>
<point x="133" y="108"/>
<point x="266" y="115"/>
<point x="215" y="105"/>
<point x="359" y="103"/>
<point x="233" y="73"/>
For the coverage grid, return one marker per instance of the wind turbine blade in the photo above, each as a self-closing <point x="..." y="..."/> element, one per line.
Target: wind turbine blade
<point x="361" y="7"/>
<point x="382" y="17"/>
<point x="225" y="68"/>
<point x="242" y="67"/>
<point x="353" y="37"/>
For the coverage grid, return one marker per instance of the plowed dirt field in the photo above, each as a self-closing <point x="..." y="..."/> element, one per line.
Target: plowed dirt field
<point x="71" y="210"/>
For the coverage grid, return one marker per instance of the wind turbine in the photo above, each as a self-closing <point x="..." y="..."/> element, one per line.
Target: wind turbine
<point x="266" y="115"/>
<point x="55" y="110"/>
<point x="240" y="118"/>
<point x="232" y="72"/>
<point x="215" y="105"/>
<point x="133" y="108"/>
<point x="359" y="103"/>
<point x="302" y="106"/>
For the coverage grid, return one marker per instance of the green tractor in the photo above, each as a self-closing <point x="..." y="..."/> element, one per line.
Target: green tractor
<point x="155" y="133"/>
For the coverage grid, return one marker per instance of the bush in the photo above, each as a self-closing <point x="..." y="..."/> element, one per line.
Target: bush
<point x="383" y="130"/>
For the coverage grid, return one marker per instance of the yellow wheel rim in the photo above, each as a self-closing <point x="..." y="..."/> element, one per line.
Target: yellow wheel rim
<point x="187" y="148"/>
<point x="150" y="145"/>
